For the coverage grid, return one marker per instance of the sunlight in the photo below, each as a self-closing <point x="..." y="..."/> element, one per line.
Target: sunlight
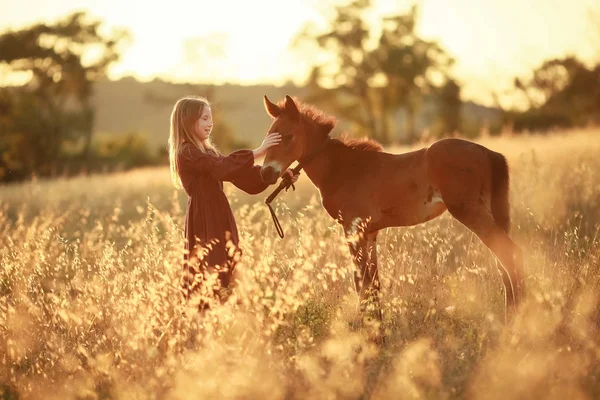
<point x="246" y="50"/>
<point x="482" y="36"/>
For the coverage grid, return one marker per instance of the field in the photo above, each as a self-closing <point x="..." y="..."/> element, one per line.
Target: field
<point x="89" y="303"/>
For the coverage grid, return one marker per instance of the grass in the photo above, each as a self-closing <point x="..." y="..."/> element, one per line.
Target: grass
<point x="90" y="309"/>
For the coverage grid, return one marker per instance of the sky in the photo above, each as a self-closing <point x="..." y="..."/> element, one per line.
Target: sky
<point x="248" y="42"/>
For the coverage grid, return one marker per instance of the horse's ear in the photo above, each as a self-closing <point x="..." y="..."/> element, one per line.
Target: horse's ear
<point x="291" y="107"/>
<point x="272" y="109"/>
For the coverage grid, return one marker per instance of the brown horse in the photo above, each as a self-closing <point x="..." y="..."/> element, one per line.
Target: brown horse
<point x="366" y="189"/>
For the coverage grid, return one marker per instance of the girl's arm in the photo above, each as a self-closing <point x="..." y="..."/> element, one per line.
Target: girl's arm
<point x="250" y="181"/>
<point x="193" y="160"/>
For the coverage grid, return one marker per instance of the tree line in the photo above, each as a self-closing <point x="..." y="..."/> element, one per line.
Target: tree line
<point x="377" y="80"/>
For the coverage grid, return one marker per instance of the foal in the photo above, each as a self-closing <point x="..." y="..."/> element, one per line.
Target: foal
<point x="366" y="189"/>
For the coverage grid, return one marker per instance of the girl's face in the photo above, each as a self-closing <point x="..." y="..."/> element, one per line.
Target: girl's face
<point x="204" y="124"/>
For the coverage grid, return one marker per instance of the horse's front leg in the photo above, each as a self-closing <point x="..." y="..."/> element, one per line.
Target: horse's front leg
<point x="363" y="248"/>
<point x="374" y="288"/>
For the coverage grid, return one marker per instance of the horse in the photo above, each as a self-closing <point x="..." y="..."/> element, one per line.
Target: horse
<point x="366" y="189"/>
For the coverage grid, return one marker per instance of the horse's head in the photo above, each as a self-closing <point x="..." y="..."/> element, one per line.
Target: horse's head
<point x="288" y="122"/>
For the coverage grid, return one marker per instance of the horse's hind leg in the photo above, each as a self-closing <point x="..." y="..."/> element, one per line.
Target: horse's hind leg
<point x="481" y="222"/>
<point x="511" y="258"/>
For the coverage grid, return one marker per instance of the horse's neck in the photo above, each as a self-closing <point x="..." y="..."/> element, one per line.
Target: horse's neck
<point x="319" y="166"/>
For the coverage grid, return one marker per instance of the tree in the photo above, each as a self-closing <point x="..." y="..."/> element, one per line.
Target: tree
<point x="373" y="77"/>
<point x="64" y="60"/>
<point x="410" y="65"/>
<point x="345" y="83"/>
<point x="450" y="104"/>
<point x="560" y="93"/>
<point x="548" y="80"/>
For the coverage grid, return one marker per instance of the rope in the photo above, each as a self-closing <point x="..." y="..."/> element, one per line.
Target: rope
<point x="286" y="182"/>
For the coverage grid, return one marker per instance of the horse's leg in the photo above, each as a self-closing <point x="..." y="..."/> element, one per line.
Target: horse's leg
<point x="364" y="254"/>
<point x="481" y="222"/>
<point x="511" y="258"/>
<point x="373" y="272"/>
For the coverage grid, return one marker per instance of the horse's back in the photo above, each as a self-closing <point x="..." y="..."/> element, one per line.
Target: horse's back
<point x="456" y="144"/>
<point x="467" y="175"/>
<point x="459" y="153"/>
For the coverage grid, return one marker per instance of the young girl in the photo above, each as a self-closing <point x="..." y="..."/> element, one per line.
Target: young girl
<point x="198" y="167"/>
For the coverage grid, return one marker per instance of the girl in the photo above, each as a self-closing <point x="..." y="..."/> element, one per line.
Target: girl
<point x="198" y="167"/>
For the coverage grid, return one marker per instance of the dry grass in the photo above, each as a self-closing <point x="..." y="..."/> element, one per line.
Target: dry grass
<point x="89" y="307"/>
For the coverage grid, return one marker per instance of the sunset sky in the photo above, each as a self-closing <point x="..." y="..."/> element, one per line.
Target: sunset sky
<point x="248" y="41"/>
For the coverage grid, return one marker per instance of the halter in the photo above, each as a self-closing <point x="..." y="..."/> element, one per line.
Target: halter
<point x="286" y="183"/>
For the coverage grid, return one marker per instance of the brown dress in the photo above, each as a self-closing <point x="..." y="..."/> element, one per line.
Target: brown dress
<point x="209" y="219"/>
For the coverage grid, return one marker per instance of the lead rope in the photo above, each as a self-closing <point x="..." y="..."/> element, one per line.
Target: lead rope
<point x="286" y="183"/>
<point x="276" y="222"/>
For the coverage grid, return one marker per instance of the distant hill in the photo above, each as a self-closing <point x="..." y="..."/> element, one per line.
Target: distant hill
<point x="127" y="105"/>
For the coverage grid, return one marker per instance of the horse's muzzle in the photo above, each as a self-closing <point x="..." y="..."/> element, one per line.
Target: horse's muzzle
<point x="269" y="174"/>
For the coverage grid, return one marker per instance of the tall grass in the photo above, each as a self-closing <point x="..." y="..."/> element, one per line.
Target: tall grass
<point x="90" y="307"/>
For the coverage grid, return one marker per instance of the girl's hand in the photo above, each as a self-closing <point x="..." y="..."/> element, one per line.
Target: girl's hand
<point x="272" y="139"/>
<point x="293" y="178"/>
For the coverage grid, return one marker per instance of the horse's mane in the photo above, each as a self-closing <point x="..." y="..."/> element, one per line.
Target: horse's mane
<point x="328" y="122"/>
<point x="325" y="121"/>
<point x="364" y="144"/>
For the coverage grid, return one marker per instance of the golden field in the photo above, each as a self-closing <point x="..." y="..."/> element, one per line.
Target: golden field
<point x="90" y="309"/>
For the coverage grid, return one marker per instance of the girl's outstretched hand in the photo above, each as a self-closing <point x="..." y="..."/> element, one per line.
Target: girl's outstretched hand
<point x="293" y="178"/>
<point x="272" y="139"/>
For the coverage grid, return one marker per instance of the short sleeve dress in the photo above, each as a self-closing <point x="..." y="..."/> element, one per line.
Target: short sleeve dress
<point x="209" y="218"/>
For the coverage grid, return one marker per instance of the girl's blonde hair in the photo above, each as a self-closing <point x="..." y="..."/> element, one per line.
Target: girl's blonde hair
<point x="186" y="112"/>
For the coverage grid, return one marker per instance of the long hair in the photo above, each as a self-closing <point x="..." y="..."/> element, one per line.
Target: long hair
<point x="186" y="112"/>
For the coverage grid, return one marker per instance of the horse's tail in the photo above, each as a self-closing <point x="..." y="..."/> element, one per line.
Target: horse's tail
<point x="500" y="187"/>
